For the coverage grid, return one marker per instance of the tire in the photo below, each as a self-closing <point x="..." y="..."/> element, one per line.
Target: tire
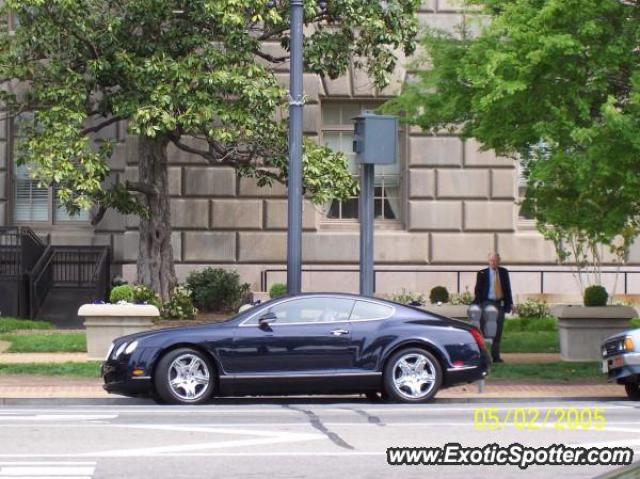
<point x="419" y="388"/>
<point x="633" y="391"/>
<point x="176" y="382"/>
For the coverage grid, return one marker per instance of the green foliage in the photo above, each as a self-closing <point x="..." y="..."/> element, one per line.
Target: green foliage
<point x="46" y="343"/>
<point x="180" y="305"/>
<point x="277" y="290"/>
<point x="439" y="294"/>
<point x="530" y="342"/>
<point x="89" y="369"/>
<point x="531" y="325"/>
<point x="558" y="371"/>
<point x="461" y="298"/>
<point x="595" y="295"/>
<point x="217" y="289"/>
<point x="635" y="323"/>
<point x="407" y="297"/>
<point x="121" y="293"/>
<point x="200" y="74"/>
<point x="143" y="294"/>
<point x="8" y="324"/>
<point x="531" y="309"/>
<point x="555" y="84"/>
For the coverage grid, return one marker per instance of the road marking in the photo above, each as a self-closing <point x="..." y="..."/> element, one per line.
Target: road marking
<point x="258" y="438"/>
<point x="43" y="470"/>
<point x="59" y="417"/>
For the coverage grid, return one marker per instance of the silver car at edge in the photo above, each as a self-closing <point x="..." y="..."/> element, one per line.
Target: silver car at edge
<point x="621" y="361"/>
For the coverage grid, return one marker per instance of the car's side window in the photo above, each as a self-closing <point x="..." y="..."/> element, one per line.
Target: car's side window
<point x="366" y="310"/>
<point x="309" y="310"/>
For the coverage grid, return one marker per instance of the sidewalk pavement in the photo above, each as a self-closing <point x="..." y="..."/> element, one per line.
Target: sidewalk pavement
<point x="30" y="386"/>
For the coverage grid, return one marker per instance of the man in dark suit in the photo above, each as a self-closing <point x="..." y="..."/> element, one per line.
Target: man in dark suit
<point x="493" y="287"/>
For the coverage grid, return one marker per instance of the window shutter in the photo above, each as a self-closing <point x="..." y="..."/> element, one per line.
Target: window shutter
<point x="31" y="201"/>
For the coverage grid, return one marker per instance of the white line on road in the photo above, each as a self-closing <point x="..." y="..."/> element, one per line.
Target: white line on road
<point x="59" y="417"/>
<point x="44" y="469"/>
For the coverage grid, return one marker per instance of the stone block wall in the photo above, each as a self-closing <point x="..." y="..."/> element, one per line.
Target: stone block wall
<point x="457" y="204"/>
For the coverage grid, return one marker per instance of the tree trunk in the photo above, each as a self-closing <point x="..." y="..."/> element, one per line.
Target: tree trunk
<point x="155" y="259"/>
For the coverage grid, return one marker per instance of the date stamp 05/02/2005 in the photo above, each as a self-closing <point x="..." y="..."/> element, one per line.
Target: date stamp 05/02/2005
<point x="532" y="418"/>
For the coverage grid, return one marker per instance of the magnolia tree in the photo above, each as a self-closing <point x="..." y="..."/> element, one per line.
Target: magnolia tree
<point x="198" y="74"/>
<point x="561" y="74"/>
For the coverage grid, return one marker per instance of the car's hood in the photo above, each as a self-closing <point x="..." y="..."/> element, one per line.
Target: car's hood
<point x="157" y="333"/>
<point x="629" y="332"/>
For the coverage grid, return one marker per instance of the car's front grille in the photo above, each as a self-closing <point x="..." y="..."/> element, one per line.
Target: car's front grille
<point x="614" y="347"/>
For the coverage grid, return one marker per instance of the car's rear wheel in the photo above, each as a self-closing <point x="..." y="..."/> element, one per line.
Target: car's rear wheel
<point x="633" y="391"/>
<point x="184" y="376"/>
<point x="412" y="375"/>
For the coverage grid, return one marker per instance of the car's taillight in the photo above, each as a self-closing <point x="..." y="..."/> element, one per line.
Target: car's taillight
<point x="477" y="335"/>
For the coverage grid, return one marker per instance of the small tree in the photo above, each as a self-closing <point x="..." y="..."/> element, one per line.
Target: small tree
<point x="563" y="74"/>
<point x="197" y="74"/>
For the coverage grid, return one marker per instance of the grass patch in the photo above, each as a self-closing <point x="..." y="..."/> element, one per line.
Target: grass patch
<point x="548" y="323"/>
<point x="13" y="324"/>
<point x="47" y="343"/>
<point x="90" y="369"/>
<point x="557" y="372"/>
<point x="530" y="342"/>
<point x="635" y="322"/>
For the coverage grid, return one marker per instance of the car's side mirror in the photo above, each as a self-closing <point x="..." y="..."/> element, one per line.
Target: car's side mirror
<point x="266" y="319"/>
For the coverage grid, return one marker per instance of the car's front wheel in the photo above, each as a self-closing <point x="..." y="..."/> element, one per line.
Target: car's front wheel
<point x="412" y="375"/>
<point x="184" y="376"/>
<point x="633" y="391"/>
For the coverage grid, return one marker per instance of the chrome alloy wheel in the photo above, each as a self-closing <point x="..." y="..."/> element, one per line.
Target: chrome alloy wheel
<point x="414" y="375"/>
<point x="188" y="377"/>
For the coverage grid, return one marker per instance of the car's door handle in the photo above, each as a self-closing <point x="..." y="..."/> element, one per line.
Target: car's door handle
<point x="339" y="332"/>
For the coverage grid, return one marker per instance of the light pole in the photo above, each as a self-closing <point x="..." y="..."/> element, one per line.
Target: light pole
<point x="296" y="105"/>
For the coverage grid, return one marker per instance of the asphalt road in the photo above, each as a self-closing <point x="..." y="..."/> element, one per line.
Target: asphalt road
<point x="294" y="438"/>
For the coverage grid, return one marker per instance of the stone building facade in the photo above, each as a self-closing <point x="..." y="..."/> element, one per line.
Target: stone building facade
<point x="440" y="211"/>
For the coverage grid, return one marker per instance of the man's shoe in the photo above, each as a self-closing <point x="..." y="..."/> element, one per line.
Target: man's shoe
<point x="498" y="360"/>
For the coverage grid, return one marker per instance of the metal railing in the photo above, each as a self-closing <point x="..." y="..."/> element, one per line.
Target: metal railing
<point x="20" y="249"/>
<point x="80" y="267"/>
<point x="541" y="273"/>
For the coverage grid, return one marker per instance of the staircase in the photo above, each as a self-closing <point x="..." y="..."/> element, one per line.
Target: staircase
<point x="46" y="281"/>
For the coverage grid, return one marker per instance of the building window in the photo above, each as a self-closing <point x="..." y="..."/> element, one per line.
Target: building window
<point x="337" y="134"/>
<point x="33" y="203"/>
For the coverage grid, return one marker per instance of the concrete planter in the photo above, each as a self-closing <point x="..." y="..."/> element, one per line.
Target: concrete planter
<point x="582" y="328"/>
<point x="456" y="311"/>
<point x="105" y="322"/>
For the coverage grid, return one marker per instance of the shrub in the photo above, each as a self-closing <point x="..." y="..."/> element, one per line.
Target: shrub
<point x="180" y="304"/>
<point x="465" y="298"/>
<point x="531" y="309"/>
<point x="143" y="294"/>
<point x="217" y="289"/>
<point x="595" y="295"/>
<point x="439" y="294"/>
<point x="277" y="289"/>
<point x="121" y="293"/>
<point x="408" y="297"/>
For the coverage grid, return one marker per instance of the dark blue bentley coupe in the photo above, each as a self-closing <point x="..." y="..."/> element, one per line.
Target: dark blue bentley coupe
<point x="307" y="344"/>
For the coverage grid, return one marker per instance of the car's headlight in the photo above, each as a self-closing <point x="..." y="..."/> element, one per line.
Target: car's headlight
<point x="628" y="344"/>
<point x="131" y="348"/>
<point x="120" y="350"/>
<point x="604" y="352"/>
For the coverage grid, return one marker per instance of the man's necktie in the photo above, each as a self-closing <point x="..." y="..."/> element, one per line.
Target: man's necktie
<point x="497" y="286"/>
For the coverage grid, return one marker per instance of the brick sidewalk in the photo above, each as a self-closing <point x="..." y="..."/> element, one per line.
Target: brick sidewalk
<point x="28" y="386"/>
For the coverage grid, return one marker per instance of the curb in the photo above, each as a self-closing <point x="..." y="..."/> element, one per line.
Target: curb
<point x="65" y="401"/>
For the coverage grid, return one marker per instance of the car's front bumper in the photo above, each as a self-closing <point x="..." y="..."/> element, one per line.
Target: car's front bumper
<point x="119" y="377"/>
<point x="623" y="368"/>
